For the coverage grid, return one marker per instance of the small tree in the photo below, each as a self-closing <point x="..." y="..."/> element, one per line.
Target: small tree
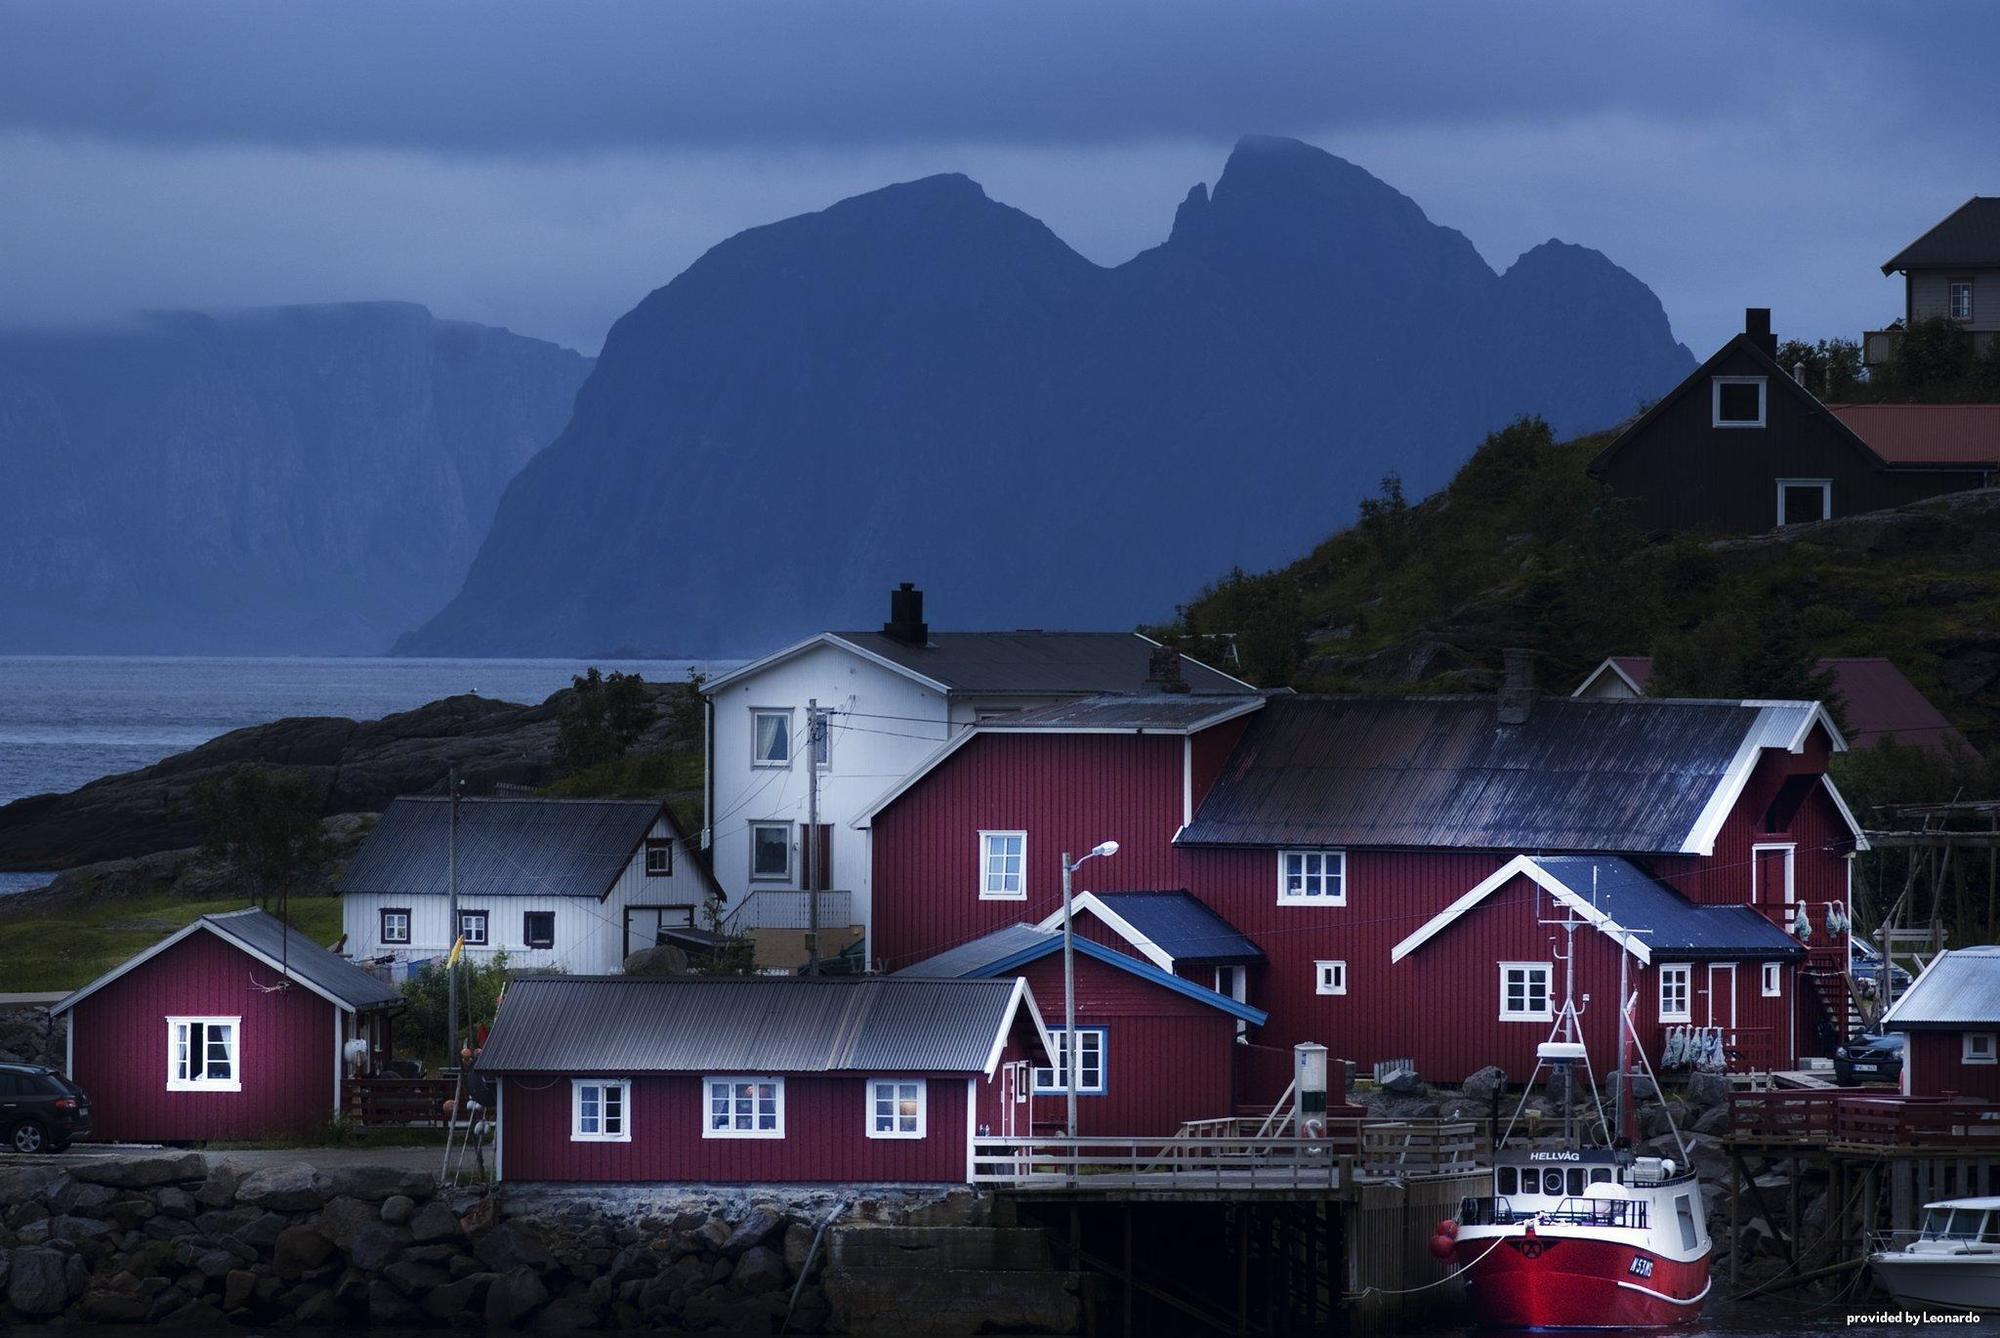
<point x="1933" y="358"/>
<point x="265" y="825"/>
<point x="1385" y="521"/>
<point x="601" y="719"/>
<point x="424" y="1027"/>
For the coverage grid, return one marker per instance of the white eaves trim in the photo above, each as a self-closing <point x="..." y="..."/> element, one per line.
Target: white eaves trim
<point x="1247" y="687"/>
<point x="1779" y="724"/>
<point x="1611" y="667"/>
<point x="168" y="942"/>
<point x="1020" y="997"/>
<point x="1087" y="902"/>
<point x="1846" y="813"/>
<point x="1524" y="866"/>
<point x="755" y="667"/>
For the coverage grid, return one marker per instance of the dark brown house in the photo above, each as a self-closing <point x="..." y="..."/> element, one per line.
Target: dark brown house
<point x="1740" y="447"/>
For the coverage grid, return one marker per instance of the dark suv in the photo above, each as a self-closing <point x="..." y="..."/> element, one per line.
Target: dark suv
<point x="40" y="1110"/>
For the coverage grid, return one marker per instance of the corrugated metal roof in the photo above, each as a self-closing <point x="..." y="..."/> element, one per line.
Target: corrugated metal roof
<point x="1961" y="987"/>
<point x="302" y="957"/>
<point x="1182" y="927"/>
<point x="1170" y="713"/>
<point x="506" y="847"/>
<point x="1591" y="775"/>
<point x="967" y="960"/>
<point x="1926" y="434"/>
<point x="1679" y="928"/>
<point x="1011" y="947"/>
<point x="746" y="1024"/>
<point x="1037" y="663"/>
<point x="1968" y="235"/>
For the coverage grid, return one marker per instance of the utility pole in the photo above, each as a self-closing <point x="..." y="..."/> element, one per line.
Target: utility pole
<point x="813" y="878"/>
<point x="1070" y="1047"/>
<point x="451" y="927"/>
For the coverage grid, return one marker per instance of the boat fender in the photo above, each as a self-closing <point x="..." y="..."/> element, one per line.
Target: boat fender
<point x="1442" y="1246"/>
<point x="1447" y="1228"/>
<point x="1667" y="1168"/>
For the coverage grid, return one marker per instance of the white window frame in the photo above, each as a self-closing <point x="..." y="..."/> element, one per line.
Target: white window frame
<point x="732" y="1130"/>
<point x="1951" y="290"/>
<point x="783" y="713"/>
<point x="1329" y="977"/>
<point x="1825" y="487"/>
<point x="895" y="1087"/>
<point x="987" y="891"/>
<point x="234" y="1046"/>
<point x="382" y="923"/>
<point x="485" y="919"/>
<point x="1771" y="980"/>
<point x="1671" y="972"/>
<point x="784" y="877"/>
<point x="1546" y="971"/>
<point x="1045" y="1083"/>
<point x="1332" y="868"/>
<point x="1969" y="1052"/>
<point x="577" y="1087"/>
<point x="1715" y="385"/>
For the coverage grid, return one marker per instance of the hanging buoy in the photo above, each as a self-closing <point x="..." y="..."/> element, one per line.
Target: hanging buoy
<point x="1442" y="1246"/>
<point x="1447" y="1228"/>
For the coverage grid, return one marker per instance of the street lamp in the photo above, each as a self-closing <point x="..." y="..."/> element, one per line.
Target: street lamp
<point x="1071" y="1056"/>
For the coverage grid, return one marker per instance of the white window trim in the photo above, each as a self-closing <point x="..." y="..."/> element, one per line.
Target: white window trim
<point x="986" y="892"/>
<point x="1715" y="385"/>
<point x="708" y="1129"/>
<point x="923" y="1107"/>
<point x="1313" y="899"/>
<point x="790" y="750"/>
<point x="235" y="1080"/>
<point x="790" y="837"/>
<point x="1791" y="850"/>
<point x="1825" y="487"/>
<point x="1547" y="1012"/>
<point x="1683" y="972"/>
<point x="576" y="1086"/>
<point x="1103" y="1065"/>
<point x="656" y="846"/>
<point x="1950" y="312"/>
<point x="1772" y="980"/>
<point x="486" y="927"/>
<point x="1330" y="977"/>
<point x="1968" y="1055"/>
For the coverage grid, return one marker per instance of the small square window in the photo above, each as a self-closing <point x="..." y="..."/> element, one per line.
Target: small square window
<point x="600" y="1110"/>
<point x="745" y="1108"/>
<point x="1804" y="501"/>
<point x="472" y="928"/>
<point x="896" y="1107"/>
<point x="1312" y="878"/>
<point x="1738" y="401"/>
<point x="659" y="857"/>
<point x="1330" y="977"/>
<point x="1003" y="873"/>
<point x="770" y="738"/>
<point x="396" y="925"/>
<point x="1676" y="986"/>
<point x="538" y="929"/>
<point x="1977" y="1047"/>
<point x="201" y="1054"/>
<point x="771" y="850"/>
<point x="1774" y="980"/>
<point x="1524" y="992"/>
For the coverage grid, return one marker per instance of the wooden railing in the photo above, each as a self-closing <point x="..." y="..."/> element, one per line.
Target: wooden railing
<point x="1823" y="1116"/>
<point x="385" y="1101"/>
<point x="781" y="908"/>
<point x="1181" y="1162"/>
<point x="1749" y="1049"/>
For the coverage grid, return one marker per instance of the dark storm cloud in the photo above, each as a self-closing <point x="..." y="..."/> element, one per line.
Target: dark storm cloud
<point x="511" y="78"/>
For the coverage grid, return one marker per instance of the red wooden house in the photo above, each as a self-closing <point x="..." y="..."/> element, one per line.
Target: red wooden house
<point x="1331" y="830"/>
<point x="1951" y="1017"/>
<point x="1154" y="1050"/>
<point x="737" y="1079"/>
<point x="234" y="1027"/>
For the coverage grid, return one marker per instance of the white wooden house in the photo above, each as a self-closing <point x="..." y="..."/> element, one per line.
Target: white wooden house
<point x="574" y="884"/>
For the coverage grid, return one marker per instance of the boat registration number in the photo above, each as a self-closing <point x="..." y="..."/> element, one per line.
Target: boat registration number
<point x="1642" y="1267"/>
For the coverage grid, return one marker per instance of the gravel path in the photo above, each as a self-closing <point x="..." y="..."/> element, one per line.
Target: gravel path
<point x="402" y="1158"/>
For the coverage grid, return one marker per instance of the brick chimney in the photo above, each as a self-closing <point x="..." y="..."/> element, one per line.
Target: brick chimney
<point x="1757" y="324"/>
<point x="906" y="616"/>
<point x="1517" y="686"/>
<point x="1163" y="670"/>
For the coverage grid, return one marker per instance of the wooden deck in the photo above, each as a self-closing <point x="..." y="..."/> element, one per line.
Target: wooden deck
<point x="1847" y="1119"/>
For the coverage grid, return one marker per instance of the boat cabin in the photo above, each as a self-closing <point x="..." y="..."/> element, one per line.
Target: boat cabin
<point x="1589" y="1187"/>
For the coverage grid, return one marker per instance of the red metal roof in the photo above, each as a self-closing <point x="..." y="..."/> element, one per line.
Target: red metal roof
<point x="1926" y="434"/>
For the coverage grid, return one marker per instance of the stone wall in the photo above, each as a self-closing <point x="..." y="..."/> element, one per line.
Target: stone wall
<point x="27" y="1038"/>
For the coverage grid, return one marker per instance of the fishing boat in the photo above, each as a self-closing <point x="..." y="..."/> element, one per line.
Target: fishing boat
<point x="1578" y="1232"/>
<point x="1954" y="1261"/>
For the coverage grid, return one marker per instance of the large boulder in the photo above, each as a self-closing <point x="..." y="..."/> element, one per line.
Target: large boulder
<point x="1480" y="1089"/>
<point x="1705" y="1090"/>
<point x="512" y="1296"/>
<point x="376" y="1183"/>
<point x="219" y="1189"/>
<point x="298" y="1250"/>
<point x="28" y="1184"/>
<point x="286" y="1189"/>
<point x="758" y="1227"/>
<point x="665" y="960"/>
<point x="38" y="1282"/>
<point x="143" y="1172"/>
<point x="761" y="1269"/>
<point x="509" y="1245"/>
<point x="435" y="1222"/>
<point x="372" y="1247"/>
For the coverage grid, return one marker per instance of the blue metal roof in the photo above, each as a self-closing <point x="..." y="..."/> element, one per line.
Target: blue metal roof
<point x="1182" y="927"/>
<point x="1005" y="951"/>
<point x="1679" y="928"/>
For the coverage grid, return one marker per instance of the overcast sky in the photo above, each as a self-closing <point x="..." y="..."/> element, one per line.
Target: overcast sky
<point x="544" y="166"/>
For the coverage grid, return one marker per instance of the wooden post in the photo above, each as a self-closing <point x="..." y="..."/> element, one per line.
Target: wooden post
<point x="1735" y="1236"/>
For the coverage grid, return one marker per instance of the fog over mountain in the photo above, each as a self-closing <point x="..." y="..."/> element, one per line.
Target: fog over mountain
<point x="287" y="480"/>
<point x="923" y="384"/>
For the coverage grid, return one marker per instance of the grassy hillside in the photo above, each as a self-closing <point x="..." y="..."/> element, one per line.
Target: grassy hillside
<point x="62" y="948"/>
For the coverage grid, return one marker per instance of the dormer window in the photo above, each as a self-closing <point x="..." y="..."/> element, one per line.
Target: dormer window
<point x="1738" y="401"/>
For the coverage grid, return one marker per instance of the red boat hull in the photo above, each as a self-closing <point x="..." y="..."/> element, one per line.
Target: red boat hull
<point x="1566" y="1282"/>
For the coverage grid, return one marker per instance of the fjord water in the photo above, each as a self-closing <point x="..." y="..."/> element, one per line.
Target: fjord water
<point x="67" y="720"/>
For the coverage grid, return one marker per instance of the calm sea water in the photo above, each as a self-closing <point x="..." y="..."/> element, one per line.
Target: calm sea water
<point x="67" y="720"/>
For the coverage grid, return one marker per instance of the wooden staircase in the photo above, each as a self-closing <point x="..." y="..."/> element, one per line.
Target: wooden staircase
<point x="1826" y="978"/>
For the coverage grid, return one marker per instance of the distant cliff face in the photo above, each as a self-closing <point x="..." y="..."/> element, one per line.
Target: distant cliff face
<point x="298" y="479"/>
<point x="922" y="384"/>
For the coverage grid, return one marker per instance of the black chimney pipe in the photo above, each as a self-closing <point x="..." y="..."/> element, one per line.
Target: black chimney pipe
<point x="906" y="616"/>
<point x="1757" y="325"/>
<point x="1517" y="686"/>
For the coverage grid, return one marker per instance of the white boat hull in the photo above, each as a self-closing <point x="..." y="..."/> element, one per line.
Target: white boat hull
<point x="1965" y="1282"/>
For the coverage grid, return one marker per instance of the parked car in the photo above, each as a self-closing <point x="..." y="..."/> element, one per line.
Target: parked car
<point x="1867" y="971"/>
<point x="40" y="1110"/>
<point x="1869" y="1059"/>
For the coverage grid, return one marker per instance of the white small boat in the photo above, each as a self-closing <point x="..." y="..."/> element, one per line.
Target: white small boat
<point x="1954" y="1261"/>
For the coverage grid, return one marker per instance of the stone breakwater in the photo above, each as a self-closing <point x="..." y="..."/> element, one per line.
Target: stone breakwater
<point x="172" y="1239"/>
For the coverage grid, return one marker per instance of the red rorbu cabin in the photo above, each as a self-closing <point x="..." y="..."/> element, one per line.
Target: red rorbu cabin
<point x="1153" y="1050"/>
<point x="1951" y="1017"/>
<point x="235" y="1027"/>
<point x="747" y="1079"/>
